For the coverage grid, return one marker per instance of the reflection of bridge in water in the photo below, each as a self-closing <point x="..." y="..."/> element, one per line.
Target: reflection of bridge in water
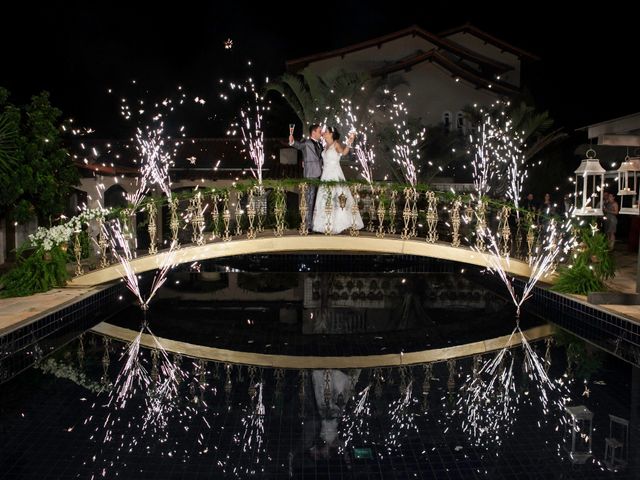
<point x="324" y="362"/>
<point x="292" y="242"/>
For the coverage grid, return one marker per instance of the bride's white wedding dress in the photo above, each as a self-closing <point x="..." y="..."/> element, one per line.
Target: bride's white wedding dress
<point x="341" y="218"/>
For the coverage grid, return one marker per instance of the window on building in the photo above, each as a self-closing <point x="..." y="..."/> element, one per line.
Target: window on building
<point x="460" y="123"/>
<point x="446" y="121"/>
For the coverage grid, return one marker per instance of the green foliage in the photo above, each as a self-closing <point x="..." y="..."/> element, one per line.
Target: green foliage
<point x="535" y="126"/>
<point x="314" y="98"/>
<point x="592" y="265"/>
<point x="9" y="120"/>
<point x="40" y="172"/>
<point x="38" y="272"/>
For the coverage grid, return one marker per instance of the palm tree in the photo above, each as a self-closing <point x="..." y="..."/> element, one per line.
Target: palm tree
<point x="314" y="98"/>
<point x="535" y="127"/>
<point x="9" y="119"/>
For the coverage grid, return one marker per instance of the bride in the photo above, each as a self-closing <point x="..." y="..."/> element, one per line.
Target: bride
<point x="341" y="218"/>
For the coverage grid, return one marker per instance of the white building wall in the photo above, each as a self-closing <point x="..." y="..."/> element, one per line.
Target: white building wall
<point x="373" y="57"/>
<point x="478" y="45"/>
<point x="434" y="91"/>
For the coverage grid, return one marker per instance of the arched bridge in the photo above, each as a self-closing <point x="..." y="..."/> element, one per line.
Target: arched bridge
<point x="292" y="241"/>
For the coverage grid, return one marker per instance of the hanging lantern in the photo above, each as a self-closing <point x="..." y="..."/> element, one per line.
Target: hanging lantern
<point x="628" y="185"/>
<point x="589" y="186"/>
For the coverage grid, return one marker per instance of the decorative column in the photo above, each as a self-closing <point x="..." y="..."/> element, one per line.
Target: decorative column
<point x="381" y="212"/>
<point x="279" y="210"/>
<point x="505" y="231"/>
<point x="455" y="222"/>
<point x="152" y="213"/>
<point x="251" y="214"/>
<point x="215" y="217"/>
<point x="226" y="217"/>
<point x="372" y="209"/>
<point x="261" y="209"/>
<point x="481" y="226"/>
<point x="302" y="188"/>
<point x="531" y="234"/>
<point x="406" y="213"/>
<point x="174" y="222"/>
<point x="392" y="212"/>
<point x="102" y="244"/>
<point x="238" y="213"/>
<point x="414" y="213"/>
<point x="353" y="231"/>
<point x="197" y="219"/>
<point x="328" y="209"/>
<point x="432" y="217"/>
<point x="77" y="251"/>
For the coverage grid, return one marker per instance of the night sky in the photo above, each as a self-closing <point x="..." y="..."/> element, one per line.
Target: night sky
<point x="77" y="50"/>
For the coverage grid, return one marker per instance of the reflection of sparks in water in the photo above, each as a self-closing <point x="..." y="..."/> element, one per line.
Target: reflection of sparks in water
<point x="355" y="423"/>
<point x="140" y="405"/>
<point x="490" y="399"/>
<point x="252" y="440"/>
<point x="402" y="419"/>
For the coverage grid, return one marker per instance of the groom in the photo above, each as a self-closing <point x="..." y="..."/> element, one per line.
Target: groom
<point x="311" y="164"/>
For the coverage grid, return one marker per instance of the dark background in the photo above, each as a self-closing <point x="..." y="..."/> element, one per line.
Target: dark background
<point x="76" y="50"/>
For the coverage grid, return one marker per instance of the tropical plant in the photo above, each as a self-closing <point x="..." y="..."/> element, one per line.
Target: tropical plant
<point x="36" y="271"/>
<point x="9" y="119"/>
<point x="592" y="265"/>
<point x="318" y="99"/>
<point x="37" y="171"/>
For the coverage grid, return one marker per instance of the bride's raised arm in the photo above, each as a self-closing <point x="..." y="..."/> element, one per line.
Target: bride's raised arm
<point x="344" y="149"/>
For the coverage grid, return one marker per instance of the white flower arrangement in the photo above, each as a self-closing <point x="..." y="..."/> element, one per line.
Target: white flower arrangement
<point x="48" y="238"/>
<point x="63" y="370"/>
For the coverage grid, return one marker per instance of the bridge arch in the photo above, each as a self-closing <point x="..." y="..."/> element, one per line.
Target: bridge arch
<point x="304" y="244"/>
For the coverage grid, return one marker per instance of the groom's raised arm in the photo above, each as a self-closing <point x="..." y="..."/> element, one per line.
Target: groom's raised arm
<point x="296" y="144"/>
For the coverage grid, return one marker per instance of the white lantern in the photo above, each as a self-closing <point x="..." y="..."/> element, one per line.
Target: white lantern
<point x="589" y="186"/>
<point x="628" y="185"/>
<point x="578" y="444"/>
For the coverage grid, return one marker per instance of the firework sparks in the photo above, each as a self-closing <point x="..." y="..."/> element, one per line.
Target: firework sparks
<point x="483" y="164"/>
<point x="355" y="422"/>
<point x="406" y="151"/>
<point x="490" y="399"/>
<point x="402" y="419"/>
<point x="118" y="241"/>
<point x="252" y="440"/>
<point x="366" y="159"/>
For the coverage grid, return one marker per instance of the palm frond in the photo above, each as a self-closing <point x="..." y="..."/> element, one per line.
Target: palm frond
<point x="8" y="142"/>
<point x="543" y="142"/>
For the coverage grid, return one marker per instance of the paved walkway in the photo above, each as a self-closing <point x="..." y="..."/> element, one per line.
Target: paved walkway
<point x="17" y="311"/>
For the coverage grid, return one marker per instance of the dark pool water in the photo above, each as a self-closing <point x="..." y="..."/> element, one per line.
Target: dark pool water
<point x="56" y="419"/>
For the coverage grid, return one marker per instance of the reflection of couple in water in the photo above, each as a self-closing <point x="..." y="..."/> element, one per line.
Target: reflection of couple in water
<point x="323" y="410"/>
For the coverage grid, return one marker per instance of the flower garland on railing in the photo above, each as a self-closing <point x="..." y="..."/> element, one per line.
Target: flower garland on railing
<point x="50" y="237"/>
<point x="47" y="238"/>
<point x="69" y="372"/>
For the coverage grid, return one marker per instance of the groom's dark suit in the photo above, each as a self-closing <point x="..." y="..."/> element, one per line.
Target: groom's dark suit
<point x="312" y="165"/>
